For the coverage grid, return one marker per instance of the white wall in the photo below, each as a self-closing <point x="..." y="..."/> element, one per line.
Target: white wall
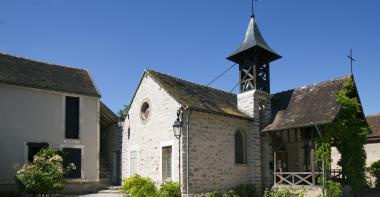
<point x="33" y="115"/>
<point x="148" y="137"/>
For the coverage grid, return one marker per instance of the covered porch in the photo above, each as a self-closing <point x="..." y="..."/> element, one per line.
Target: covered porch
<point x="293" y="159"/>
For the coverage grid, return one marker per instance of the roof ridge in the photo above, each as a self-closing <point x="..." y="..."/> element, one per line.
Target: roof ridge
<point x="203" y="86"/>
<point x="43" y="62"/>
<point x="315" y="84"/>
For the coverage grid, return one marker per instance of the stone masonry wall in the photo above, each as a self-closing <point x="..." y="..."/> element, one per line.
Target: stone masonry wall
<point x="148" y="137"/>
<point x="212" y="153"/>
<point x="257" y="105"/>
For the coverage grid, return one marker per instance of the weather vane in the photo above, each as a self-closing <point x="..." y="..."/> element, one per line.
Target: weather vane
<point x="351" y="59"/>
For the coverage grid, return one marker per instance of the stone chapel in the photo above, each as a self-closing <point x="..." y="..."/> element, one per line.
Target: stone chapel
<point x="228" y="139"/>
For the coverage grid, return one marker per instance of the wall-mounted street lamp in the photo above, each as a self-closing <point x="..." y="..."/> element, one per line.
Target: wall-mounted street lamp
<point x="177" y="131"/>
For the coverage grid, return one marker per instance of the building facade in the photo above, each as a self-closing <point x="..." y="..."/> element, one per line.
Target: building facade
<point x="45" y="105"/>
<point x="253" y="137"/>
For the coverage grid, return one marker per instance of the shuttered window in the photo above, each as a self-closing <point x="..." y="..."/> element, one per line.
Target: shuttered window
<point x="73" y="155"/>
<point x="166" y="163"/>
<point x="72" y="117"/>
<point x="133" y="163"/>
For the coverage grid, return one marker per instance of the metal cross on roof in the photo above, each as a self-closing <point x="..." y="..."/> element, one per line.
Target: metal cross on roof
<point x="351" y="59"/>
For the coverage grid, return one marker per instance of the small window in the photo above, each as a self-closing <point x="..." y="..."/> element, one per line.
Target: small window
<point x="34" y="148"/>
<point x="133" y="163"/>
<point x="240" y="148"/>
<point x="73" y="155"/>
<point x="145" y="111"/>
<point x="166" y="163"/>
<point x="72" y="118"/>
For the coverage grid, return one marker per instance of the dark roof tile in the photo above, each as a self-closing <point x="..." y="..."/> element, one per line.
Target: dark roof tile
<point x="374" y="124"/>
<point x="30" y="73"/>
<point x="198" y="96"/>
<point x="315" y="104"/>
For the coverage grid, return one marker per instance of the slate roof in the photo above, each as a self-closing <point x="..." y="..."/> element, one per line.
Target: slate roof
<point x="197" y="96"/>
<point x="374" y="124"/>
<point x="30" y="73"/>
<point x="253" y="40"/>
<point x="307" y="106"/>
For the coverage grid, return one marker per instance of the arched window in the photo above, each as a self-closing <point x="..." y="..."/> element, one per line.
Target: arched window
<point x="240" y="148"/>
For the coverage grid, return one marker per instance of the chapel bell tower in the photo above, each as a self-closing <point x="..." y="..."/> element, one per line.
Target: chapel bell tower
<point x="253" y="57"/>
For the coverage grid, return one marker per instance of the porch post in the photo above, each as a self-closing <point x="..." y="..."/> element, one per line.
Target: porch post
<point x="312" y="160"/>
<point x="274" y="168"/>
<point x="312" y="166"/>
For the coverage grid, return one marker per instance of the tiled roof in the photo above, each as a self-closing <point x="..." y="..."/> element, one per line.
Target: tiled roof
<point x="374" y="124"/>
<point x="25" y="72"/>
<point x="198" y="96"/>
<point x="307" y="106"/>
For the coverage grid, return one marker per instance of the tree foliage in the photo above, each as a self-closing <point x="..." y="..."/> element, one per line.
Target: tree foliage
<point x="348" y="134"/>
<point x="375" y="172"/>
<point x="123" y="112"/>
<point x="45" y="175"/>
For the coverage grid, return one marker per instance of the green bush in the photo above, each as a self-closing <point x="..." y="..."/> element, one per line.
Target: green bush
<point x="45" y="175"/>
<point x="138" y="186"/>
<point x="333" y="189"/>
<point x="284" y="192"/>
<point x="217" y="194"/>
<point x="238" y="191"/>
<point x="245" y="191"/>
<point x="169" y="189"/>
<point x="374" y="170"/>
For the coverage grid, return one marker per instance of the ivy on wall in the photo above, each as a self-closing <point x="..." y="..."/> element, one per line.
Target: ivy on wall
<point x="348" y="134"/>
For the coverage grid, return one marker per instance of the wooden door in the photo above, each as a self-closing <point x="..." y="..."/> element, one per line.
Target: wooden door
<point x="282" y="163"/>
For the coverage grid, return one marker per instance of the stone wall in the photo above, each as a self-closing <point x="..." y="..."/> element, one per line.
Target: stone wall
<point x="110" y="148"/>
<point x="149" y="136"/>
<point x="372" y="150"/>
<point x="212" y="153"/>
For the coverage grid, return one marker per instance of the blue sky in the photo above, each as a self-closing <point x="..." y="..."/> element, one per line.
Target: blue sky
<point x="116" y="40"/>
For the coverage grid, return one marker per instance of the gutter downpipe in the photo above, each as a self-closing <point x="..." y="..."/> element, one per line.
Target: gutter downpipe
<point x="187" y="152"/>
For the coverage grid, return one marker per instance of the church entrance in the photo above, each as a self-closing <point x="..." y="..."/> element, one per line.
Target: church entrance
<point x="293" y="157"/>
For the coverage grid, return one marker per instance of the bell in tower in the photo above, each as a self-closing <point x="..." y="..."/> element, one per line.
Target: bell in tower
<point x="253" y="57"/>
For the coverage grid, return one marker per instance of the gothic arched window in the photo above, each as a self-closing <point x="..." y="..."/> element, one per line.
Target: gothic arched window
<point x="240" y="148"/>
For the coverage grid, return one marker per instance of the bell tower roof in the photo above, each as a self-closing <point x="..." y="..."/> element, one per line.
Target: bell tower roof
<point x="253" y="43"/>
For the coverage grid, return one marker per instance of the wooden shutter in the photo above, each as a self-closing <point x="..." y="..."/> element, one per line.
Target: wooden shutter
<point x="73" y="155"/>
<point x="72" y="117"/>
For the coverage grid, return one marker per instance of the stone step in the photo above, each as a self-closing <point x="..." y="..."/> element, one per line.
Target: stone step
<point x="114" y="187"/>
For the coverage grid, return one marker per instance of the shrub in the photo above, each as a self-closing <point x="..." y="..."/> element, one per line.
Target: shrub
<point x="245" y="191"/>
<point x="284" y="192"/>
<point x="374" y="170"/>
<point x="212" y="194"/>
<point x="333" y="189"/>
<point x="138" y="186"/>
<point x="169" y="189"/>
<point x="238" y="191"/>
<point x="45" y="175"/>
